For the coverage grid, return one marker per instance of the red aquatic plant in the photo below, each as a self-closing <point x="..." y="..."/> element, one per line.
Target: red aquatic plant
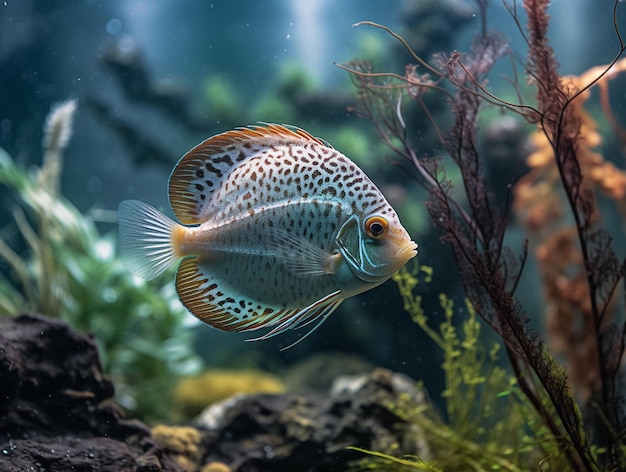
<point x="474" y="228"/>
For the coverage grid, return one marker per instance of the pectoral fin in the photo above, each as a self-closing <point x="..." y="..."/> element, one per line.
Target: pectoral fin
<point x="302" y="257"/>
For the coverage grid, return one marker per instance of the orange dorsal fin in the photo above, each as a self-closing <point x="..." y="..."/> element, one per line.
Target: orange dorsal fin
<point x="201" y="171"/>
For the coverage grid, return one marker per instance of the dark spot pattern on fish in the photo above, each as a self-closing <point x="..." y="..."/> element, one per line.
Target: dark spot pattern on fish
<point x="214" y="170"/>
<point x="269" y="203"/>
<point x="225" y="158"/>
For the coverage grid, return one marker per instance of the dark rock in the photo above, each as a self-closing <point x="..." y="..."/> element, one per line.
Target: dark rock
<point x="56" y="414"/>
<point x="309" y="432"/>
<point x="55" y="408"/>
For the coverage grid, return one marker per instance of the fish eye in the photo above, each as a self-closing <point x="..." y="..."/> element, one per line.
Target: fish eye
<point x="376" y="227"/>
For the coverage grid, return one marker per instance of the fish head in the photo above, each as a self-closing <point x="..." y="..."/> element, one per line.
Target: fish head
<point x="375" y="246"/>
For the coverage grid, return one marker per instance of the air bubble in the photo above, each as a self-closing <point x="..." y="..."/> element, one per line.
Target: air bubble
<point x="114" y="26"/>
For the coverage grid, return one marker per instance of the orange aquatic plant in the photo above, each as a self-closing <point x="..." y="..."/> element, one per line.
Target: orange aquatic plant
<point x="539" y="205"/>
<point x="537" y="201"/>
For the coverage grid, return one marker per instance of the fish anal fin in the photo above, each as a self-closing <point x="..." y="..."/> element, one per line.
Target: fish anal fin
<point x="205" y="300"/>
<point x="318" y="311"/>
<point x="193" y="290"/>
<point x="215" y="306"/>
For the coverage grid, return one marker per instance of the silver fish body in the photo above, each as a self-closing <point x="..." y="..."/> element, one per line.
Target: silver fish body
<point x="280" y="229"/>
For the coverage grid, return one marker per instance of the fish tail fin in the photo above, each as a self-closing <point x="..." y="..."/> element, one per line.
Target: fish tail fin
<point x="145" y="236"/>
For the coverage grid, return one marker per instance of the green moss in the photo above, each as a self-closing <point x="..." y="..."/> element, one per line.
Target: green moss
<point x="274" y="109"/>
<point x="222" y="101"/>
<point x="293" y="79"/>
<point x="354" y="142"/>
<point x="371" y="45"/>
<point x="472" y="434"/>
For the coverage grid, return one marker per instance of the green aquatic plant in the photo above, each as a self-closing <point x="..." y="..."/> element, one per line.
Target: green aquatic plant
<point x="61" y="266"/>
<point x="388" y="463"/>
<point x="471" y="433"/>
<point x="222" y="100"/>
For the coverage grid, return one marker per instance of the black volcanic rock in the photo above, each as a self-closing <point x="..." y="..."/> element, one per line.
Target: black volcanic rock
<point x="55" y="408"/>
<point x="57" y="414"/>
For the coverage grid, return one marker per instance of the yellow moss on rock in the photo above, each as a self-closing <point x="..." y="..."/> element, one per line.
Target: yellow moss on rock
<point x="213" y="385"/>
<point x="216" y="467"/>
<point x="182" y="441"/>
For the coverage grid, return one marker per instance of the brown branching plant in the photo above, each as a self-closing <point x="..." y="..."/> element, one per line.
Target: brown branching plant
<point x="591" y="433"/>
<point x="539" y="206"/>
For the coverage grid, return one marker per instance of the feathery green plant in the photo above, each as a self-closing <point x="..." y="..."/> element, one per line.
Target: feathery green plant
<point x="488" y="424"/>
<point x="67" y="269"/>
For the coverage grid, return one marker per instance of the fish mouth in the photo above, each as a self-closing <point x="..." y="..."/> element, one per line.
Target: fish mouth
<point x="407" y="252"/>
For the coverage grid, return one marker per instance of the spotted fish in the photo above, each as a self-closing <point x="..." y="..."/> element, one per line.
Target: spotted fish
<point x="276" y="228"/>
